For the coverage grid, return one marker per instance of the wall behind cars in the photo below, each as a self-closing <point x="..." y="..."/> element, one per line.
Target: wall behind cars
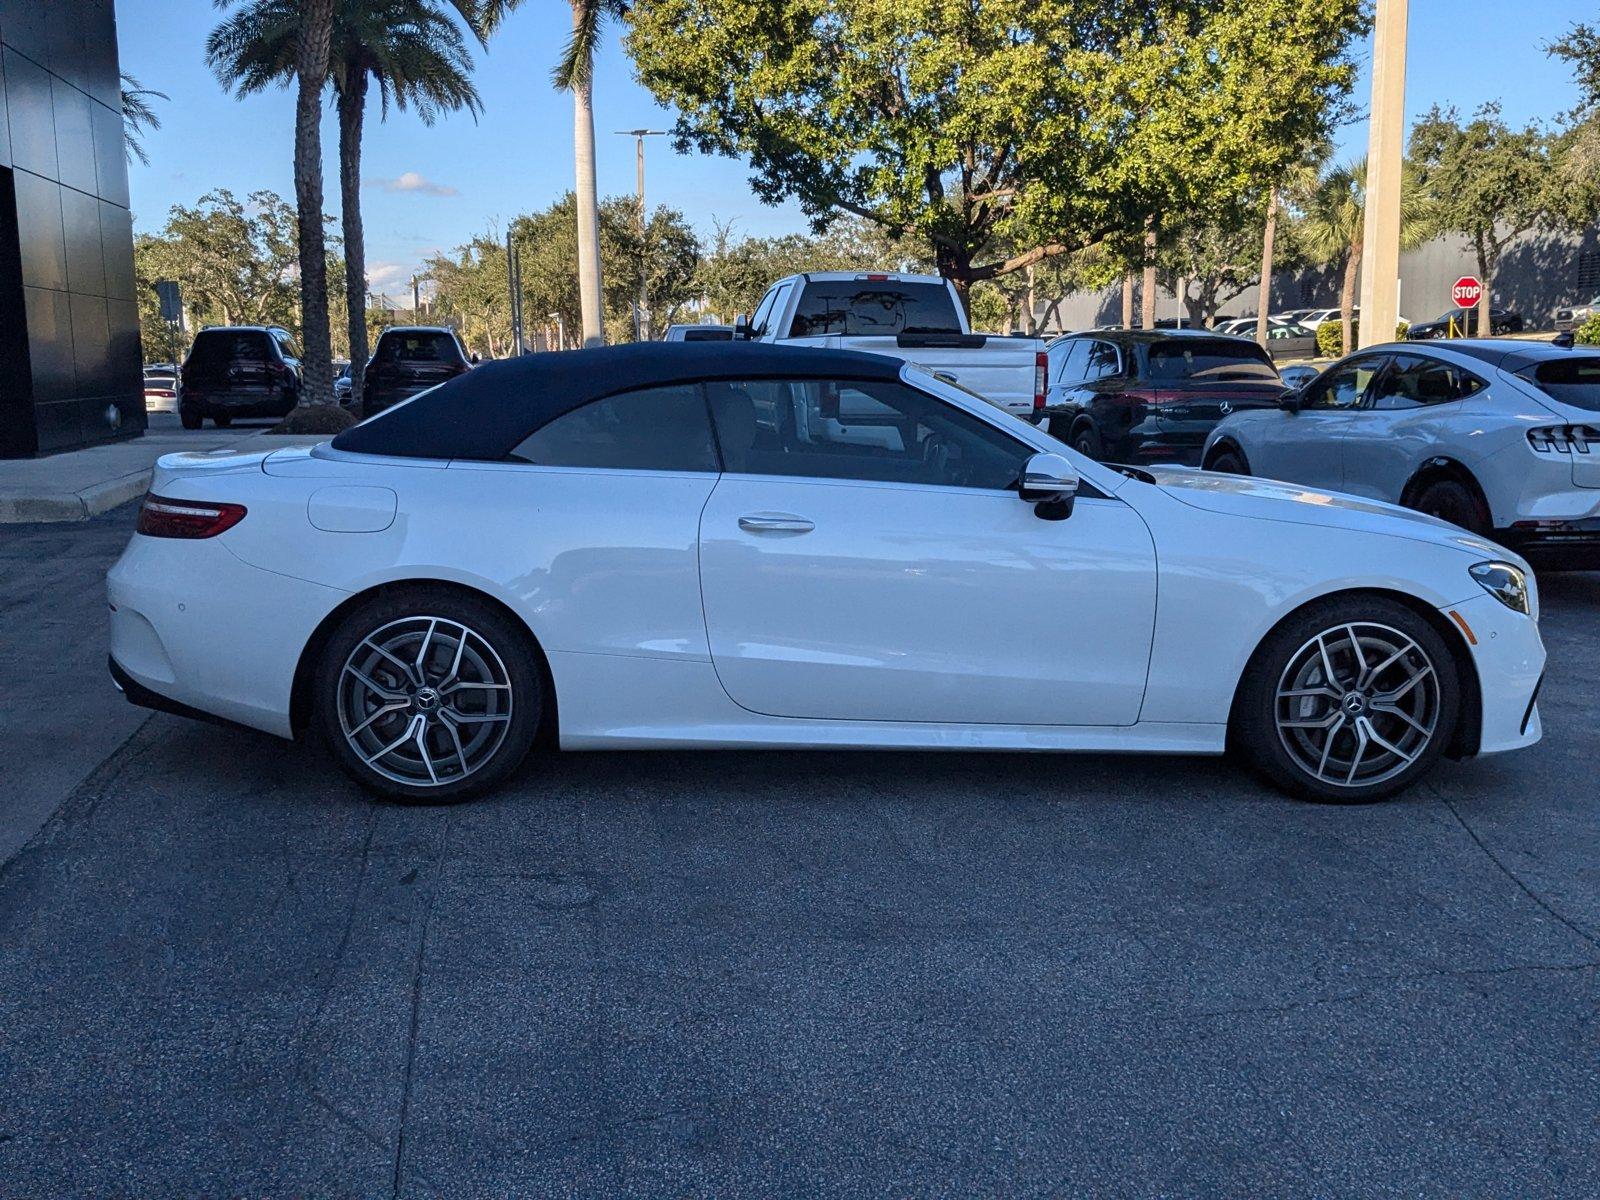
<point x="1539" y="272"/>
<point x="69" y="327"/>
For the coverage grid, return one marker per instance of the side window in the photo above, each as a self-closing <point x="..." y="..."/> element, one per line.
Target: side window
<point x="878" y="430"/>
<point x="1416" y="381"/>
<point x="758" y="319"/>
<point x="654" y="429"/>
<point x="1103" y="361"/>
<point x="1072" y="363"/>
<point x="1343" y="387"/>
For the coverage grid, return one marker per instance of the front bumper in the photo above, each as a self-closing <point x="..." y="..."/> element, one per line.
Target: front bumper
<point x="1569" y="546"/>
<point x="1509" y="657"/>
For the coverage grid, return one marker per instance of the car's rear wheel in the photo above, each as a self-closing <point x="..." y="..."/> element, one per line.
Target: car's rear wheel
<point x="1086" y="441"/>
<point x="222" y="422"/>
<point x="1453" y="501"/>
<point x="1351" y="700"/>
<point x="190" y="420"/>
<point x="1229" y="460"/>
<point x="429" y="696"/>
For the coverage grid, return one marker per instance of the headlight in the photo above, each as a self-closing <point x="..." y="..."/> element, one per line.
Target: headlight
<point x="1506" y="584"/>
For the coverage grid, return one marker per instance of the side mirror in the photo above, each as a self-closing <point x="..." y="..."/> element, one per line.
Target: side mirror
<point x="1050" y="483"/>
<point x="1565" y="339"/>
<point x="741" y="328"/>
<point x="1291" y="400"/>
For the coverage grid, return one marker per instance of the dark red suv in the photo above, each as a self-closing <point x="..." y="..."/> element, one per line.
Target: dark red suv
<point x="408" y="360"/>
<point x="239" y="371"/>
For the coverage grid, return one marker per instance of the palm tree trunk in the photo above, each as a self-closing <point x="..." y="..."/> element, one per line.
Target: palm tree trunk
<point x="1147" y="292"/>
<point x="1264" y="305"/>
<point x="311" y="71"/>
<point x="1347" y="299"/>
<point x="589" y="290"/>
<point x="352" y="112"/>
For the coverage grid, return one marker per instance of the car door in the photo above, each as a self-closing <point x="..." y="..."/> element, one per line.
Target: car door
<point x="865" y="556"/>
<point x="1405" y="417"/>
<point x="1304" y="446"/>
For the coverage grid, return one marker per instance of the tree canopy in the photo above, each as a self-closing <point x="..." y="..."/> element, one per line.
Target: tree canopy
<point x="1000" y="132"/>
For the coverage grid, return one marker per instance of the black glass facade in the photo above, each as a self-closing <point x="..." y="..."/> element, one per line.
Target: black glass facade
<point x="69" y="324"/>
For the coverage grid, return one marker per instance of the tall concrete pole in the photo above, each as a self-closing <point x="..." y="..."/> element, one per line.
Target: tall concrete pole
<point x="1380" y="278"/>
<point x="641" y="319"/>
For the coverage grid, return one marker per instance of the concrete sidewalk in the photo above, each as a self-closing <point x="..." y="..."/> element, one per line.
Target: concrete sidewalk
<point x="82" y="484"/>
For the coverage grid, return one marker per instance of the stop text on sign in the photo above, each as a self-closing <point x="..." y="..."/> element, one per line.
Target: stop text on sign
<point x="1468" y="290"/>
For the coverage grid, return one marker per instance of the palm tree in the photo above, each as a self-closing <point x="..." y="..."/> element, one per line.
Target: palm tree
<point x="411" y="49"/>
<point x="575" y="74"/>
<point x="1296" y="184"/>
<point x="1334" y="223"/>
<point x="138" y="114"/>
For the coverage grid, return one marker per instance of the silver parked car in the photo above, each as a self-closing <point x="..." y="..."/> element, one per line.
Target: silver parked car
<point x="1498" y="436"/>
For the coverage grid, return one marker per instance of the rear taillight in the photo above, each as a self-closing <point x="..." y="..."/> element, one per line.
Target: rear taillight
<point x="1563" y="439"/>
<point x="1041" y="367"/>
<point x="163" y="517"/>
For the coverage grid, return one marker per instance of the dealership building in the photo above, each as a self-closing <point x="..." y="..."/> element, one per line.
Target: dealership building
<point x="69" y="323"/>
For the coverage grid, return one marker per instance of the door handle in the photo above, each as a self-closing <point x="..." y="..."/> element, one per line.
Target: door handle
<point x="775" y="523"/>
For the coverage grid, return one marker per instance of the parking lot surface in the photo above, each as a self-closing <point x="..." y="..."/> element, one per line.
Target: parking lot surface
<point x="225" y="971"/>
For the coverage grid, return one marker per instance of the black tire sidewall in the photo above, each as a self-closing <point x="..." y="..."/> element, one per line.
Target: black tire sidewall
<point x="1253" y="731"/>
<point x="1451" y="494"/>
<point x="509" y="640"/>
<point x="1086" y="441"/>
<point x="1230" y="456"/>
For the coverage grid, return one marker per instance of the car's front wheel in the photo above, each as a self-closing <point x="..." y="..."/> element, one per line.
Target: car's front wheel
<point x="1352" y="699"/>
<point x="429" y="696"/>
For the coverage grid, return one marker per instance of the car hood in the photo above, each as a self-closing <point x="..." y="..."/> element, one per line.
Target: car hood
<point x="1269" y="500"/>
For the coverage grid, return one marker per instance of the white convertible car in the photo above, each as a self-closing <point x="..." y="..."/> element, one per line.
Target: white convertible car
<point x="722" y="545"/>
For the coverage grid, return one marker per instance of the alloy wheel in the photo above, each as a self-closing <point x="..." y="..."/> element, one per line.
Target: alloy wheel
<point x="424" y="701"/>
<point x="1357" y="704"/>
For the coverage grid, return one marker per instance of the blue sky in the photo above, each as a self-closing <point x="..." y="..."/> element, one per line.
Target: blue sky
<point x="449" y="182"/>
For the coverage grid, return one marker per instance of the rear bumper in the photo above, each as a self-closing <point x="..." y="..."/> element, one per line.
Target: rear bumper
<point x="234" y="404"/>
<point x="1572" y="547"/>
<point x="197" y="631"/>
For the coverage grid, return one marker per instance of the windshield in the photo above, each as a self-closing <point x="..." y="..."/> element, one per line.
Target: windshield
<point x="871" y="307"/>
<point x="1210" y="360"/>
<point x="1574" y="381"/>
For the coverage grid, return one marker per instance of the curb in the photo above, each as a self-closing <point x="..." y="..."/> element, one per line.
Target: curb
<point x="21" y="507"/>
<point x="73" y="506"/>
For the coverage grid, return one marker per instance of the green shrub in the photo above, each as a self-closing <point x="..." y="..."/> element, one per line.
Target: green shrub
<point x="1330" y="336"/>
<point x="1588" y="333"/>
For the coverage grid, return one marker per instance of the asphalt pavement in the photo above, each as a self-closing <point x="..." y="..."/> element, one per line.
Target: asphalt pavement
<point x="223" y="971"/>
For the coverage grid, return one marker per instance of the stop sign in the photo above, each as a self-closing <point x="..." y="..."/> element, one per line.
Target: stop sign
<point x="1467" y="291"/>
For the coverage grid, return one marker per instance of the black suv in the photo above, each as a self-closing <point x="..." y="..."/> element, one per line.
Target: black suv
<point x="408" y="360"/>
<point x="1130" y="396"/>
<point x="239" y="371"/>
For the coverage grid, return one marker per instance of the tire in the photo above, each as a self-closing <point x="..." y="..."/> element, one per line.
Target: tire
<point x="1229" y="460"/>
<point x="222" y="422"/>
<point x="1453" y="501"/>
<point x="1347" y="744"/>
<point x="363" y="702"/>
<point x="190" y="420"/>
<point x="1086" y="441"/>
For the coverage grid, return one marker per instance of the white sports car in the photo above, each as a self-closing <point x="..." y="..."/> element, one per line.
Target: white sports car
<point x="722" y="545"/>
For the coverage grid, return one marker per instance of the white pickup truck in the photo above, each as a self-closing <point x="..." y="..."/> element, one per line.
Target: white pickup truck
<point x="918" y="318"/>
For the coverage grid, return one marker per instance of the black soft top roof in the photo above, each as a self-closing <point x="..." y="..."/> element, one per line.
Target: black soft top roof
<point x="483" y="414"/>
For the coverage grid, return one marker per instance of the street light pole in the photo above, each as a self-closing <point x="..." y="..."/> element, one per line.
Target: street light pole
<point x="641" y="315"/>
<point x="1380" y="274"/>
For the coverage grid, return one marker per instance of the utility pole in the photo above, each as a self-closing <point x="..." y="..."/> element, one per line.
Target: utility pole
<point x="1380" y="275"/>
<point x="641" y="313"/>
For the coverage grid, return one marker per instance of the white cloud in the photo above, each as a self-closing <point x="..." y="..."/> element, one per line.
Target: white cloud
<point x="384" y="276"/>
<point x="412" y="181"/>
